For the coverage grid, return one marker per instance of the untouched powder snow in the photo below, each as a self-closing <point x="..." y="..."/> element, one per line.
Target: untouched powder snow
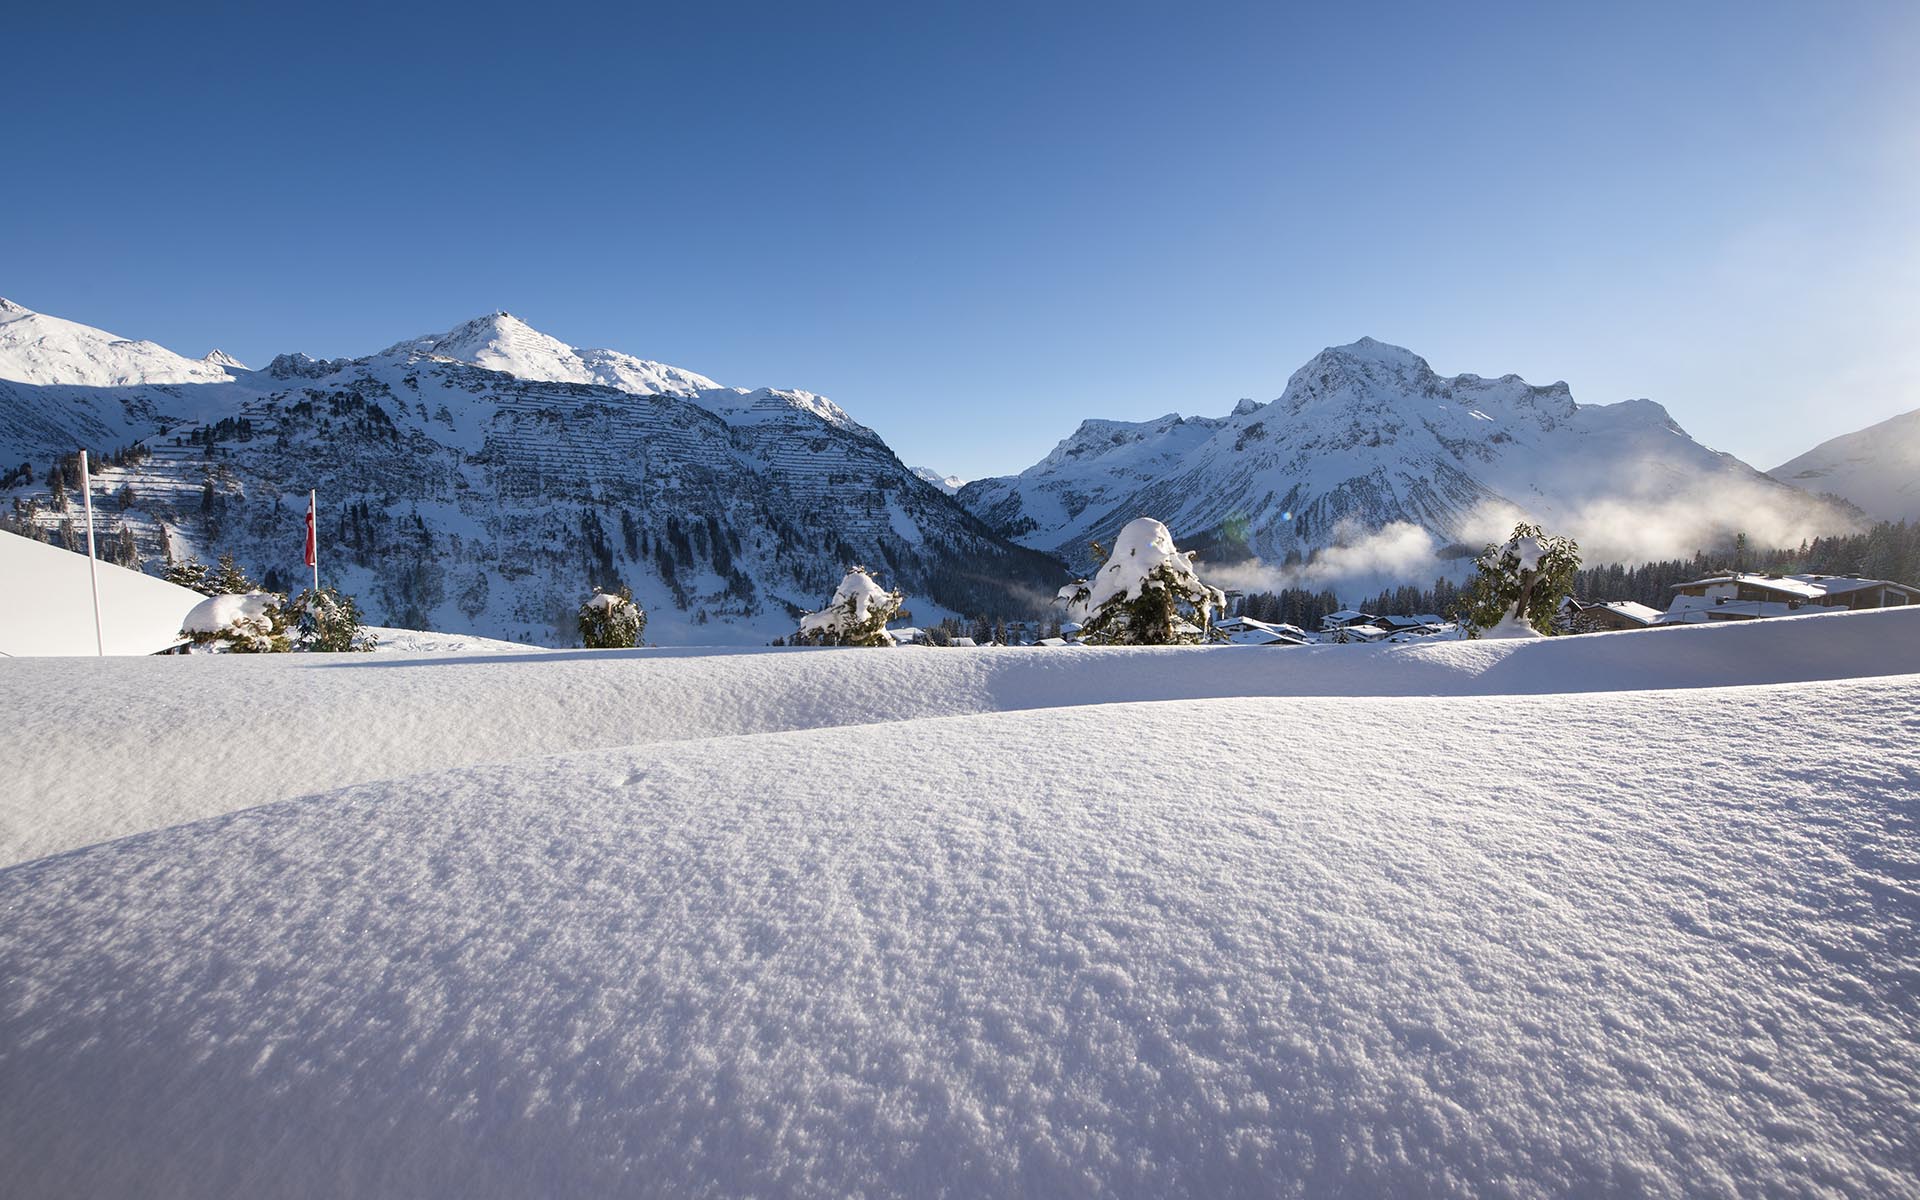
<point x="1480" y="945"/>
<point x="192" y="746"/>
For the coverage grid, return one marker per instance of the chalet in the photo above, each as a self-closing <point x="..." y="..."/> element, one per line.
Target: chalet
<point x="1343" y="619"/>
<point x="1361" y="633"/>
<point x="1606" y="615"/>
<point x="1245" y="631"/>
<point x="1738" y="596"/>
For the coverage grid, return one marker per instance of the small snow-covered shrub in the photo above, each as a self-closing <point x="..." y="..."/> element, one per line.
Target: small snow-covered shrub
<point x="190" y="573"/>
<point x="228" y="579"/>
<point x="327" y="621"/>
<point x="1520" y="585"/>
<point x="253" y="623"/>
<point x="1146" y="594"/>
<point x="856" y="616"/>
<point x="611" y="620"/>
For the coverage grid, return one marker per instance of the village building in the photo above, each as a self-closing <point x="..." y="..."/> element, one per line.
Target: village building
<point x="1604" y="616"/>
<point x="1343" y="619"/>
<point x="1245" y="631"/>
<point x="1739" y="596"/>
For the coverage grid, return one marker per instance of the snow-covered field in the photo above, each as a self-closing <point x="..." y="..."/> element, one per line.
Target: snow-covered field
<point x="1618" y="914"/>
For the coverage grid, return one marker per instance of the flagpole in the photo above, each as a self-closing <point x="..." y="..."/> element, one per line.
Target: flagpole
<point x="93" y="566"/>
<point x="313" y="515"/>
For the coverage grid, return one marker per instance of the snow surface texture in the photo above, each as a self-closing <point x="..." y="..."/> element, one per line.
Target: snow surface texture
<point x="46" y="604"/>
<point x="1632" y="943"/>
<point x="1877" y="468"/>
<point x="369" y="717"/>
<point x="418" y="641"/>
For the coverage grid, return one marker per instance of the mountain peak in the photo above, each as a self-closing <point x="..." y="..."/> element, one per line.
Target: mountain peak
<point x="220" y="358"/>
<point x="1371" y="350"/>
<point x="38" y="349"/>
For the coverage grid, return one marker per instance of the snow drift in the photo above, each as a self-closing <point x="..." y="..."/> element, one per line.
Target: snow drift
<point x="846" y="963"/>
<point x="376" y="717"/>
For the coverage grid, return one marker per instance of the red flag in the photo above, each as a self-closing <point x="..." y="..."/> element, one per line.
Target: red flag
<point x="313" y="545"/>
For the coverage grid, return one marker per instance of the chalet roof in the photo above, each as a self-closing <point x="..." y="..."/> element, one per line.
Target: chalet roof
<point x="1248" y="623"/>
<point x="1265" y="637"/>
<point x="1690" y="609"/>
<point x="1365" y="632"/>
<point x="1799" y="587"/>
<point x="1643" y="614"/>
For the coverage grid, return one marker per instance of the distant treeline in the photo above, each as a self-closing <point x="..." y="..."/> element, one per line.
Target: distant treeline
<point x="1889" y="550"/>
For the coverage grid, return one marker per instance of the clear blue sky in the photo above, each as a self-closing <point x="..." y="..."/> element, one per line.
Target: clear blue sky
<point x="973" y="226"/>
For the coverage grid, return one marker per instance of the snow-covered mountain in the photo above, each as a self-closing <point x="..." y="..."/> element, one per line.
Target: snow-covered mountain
<point x="39" y="349"/>
<point x="949" y="484"/>
<point x="482" y="480"/>
<point x="1876" y="468"/>
<point x="63" y="384"/>
<point x="1366" y="435"/>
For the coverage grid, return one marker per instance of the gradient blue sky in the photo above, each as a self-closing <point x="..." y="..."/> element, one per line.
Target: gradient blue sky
<point x="974" y="225"/>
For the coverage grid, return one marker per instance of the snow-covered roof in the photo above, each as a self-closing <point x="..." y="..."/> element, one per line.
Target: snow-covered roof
<point x="1689" y="609"/>
<point x="1804" y="587"/>
<point x="1633" y="611"/>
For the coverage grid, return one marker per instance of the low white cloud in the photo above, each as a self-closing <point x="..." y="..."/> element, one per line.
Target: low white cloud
<point x="1672" y="525"/>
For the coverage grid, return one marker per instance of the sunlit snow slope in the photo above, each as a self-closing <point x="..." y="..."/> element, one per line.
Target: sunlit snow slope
<point x="1456" y="920"/>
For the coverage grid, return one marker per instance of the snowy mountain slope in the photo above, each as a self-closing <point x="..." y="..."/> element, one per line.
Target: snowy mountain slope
<point x="39" y="349"/>
<point x="47" y="596"/>
<point x="946" y="483"/>
<point x="1366" y="435"/>
<point x="463" y="498"/>
<point x="503" y="342"/>
<point x="466" y="709"/>
<point x="1115" y="949"/>
<point x="65" y="385"/>
<point x="1877" y="468"/>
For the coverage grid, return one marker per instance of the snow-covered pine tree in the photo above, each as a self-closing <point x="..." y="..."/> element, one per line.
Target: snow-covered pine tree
<point x="190" y="572"/>
<point x="328" y="622"/>
<point x="611" y="620"/>
<point x="253" y="623"/>
<point x="1520" y="585"/>
<point x="1146" y="594"/>
<point x="229" y="580"/>
<point x="856" y="616"/>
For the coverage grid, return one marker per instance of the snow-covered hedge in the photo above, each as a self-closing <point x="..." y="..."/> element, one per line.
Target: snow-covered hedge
<point x="1146" y="594"/>
<point x="328" y="621"/>
<point x="611" y="620"/>
<point x="249" y="623"/>
<point x="857" y="615"/>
